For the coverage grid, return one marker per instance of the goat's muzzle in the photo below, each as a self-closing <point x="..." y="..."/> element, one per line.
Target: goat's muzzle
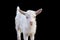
<point x="31" y="23"/>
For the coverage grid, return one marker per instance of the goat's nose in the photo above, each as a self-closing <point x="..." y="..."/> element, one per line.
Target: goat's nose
<point x="31" y="23"/>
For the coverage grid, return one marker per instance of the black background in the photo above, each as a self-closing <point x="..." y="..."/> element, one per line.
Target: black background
<point x="42" y="19"/>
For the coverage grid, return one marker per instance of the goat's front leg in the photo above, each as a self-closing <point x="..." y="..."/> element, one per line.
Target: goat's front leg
<point x="25" y="36"/>
<point x="18" y="30"/>
<point x="32" y="36"/>
<point x="18" y="35"/>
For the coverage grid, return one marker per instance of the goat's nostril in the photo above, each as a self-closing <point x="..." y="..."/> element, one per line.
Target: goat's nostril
<point x="31" y="23"/>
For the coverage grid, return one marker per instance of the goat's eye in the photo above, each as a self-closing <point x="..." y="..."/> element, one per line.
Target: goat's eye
<point x="27" y="17"/>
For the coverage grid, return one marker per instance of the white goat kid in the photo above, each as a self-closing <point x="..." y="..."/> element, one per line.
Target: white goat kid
<point x="25" y="23"/>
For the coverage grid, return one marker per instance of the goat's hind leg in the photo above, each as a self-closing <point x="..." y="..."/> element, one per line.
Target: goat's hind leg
<point x="25" y="36"/>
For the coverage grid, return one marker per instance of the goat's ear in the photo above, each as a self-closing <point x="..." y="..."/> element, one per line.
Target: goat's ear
<point x="38" y="11"/>
<point x="21" y="11"/>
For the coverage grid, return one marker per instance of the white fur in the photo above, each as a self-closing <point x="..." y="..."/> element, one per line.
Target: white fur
<point x="23" y="24"/>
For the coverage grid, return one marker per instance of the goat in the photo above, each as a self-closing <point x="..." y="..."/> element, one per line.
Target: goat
<point x="25" y="22"/>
